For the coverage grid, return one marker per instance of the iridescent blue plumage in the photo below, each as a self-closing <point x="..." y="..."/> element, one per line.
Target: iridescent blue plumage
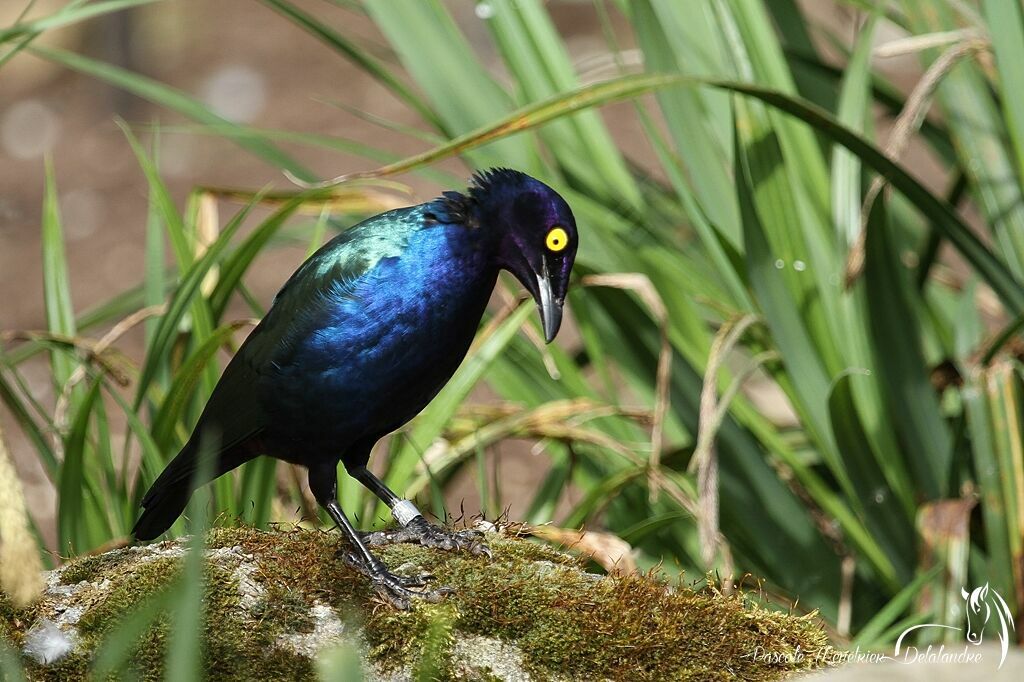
<point x="363" y="335"/>
<point x="419" y="304"/>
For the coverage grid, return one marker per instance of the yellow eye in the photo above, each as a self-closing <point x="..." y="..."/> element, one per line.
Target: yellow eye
<point x="557" y="239"/>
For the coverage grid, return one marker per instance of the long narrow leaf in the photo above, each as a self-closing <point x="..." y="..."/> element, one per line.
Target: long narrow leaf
<point x="60" y="316"/>
<point x="183" y="298"/>
<point x="74" y="488"/>
<point x="357" y="55"/>
<point x="66" y="17"/>
<point x="901" y="363"/>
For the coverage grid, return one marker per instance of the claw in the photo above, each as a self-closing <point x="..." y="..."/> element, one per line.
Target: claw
<point x="394" y="588"/>
<point x="429" y="535"/>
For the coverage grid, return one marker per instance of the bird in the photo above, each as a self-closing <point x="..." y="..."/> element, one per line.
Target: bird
<point x="360" y="339"/>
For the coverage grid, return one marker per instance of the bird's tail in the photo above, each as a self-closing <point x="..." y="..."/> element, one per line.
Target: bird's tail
<point x="162" y="506"/>
<point x="167" y="497"/>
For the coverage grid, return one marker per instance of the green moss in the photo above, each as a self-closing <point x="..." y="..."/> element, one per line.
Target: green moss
<point x="7" y="616"/>
<point x="562" y="619"/>
<point x="131" y="583"/>
<point x="285" y="609"/>
<point x="92" y="567"/>
<point x="15" y="622"/>
<point x="530" y="596"/>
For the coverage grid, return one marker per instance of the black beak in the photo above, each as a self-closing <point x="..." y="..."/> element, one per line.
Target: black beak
<point x="550" y="309"/>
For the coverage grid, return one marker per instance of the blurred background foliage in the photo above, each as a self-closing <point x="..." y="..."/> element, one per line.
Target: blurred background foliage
<point x="794" y="350"/>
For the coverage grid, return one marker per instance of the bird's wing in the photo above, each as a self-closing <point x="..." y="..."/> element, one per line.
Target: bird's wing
<point x="332" y="273"/>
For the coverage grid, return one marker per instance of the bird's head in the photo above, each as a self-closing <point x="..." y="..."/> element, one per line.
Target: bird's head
<point x="536" y="236"/>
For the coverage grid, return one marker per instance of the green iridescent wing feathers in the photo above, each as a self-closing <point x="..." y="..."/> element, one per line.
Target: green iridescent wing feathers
<point x="331" y="274"/>
<point x="296" y="312"/>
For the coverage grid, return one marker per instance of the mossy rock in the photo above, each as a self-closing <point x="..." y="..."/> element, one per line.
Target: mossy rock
<point x="276" y="601"/>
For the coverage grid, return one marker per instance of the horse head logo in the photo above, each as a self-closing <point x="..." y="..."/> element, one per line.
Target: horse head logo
<point x="981" y="604"/>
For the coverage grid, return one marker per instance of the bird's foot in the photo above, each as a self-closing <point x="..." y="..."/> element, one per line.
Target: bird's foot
<point x="427" y="534"/>
<point x="394" y="588"/>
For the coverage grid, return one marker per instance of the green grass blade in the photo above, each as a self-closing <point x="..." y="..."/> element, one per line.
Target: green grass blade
<point x="357" y="55"/>
<point x="1006" y="27"/>
<point x="236" y="265"/>
<point x="184" y="297"/>
<point x="808" y="377"/>
<point x="331" y="142"/>
<point x="883" y="92"/>
<point x="854" y="112"/>
<point x="60" y="316"/>
<point x="343" y="663"/>
<point x="532" y="116"/>
<point x="598" y="496"/>
<point x="104" y="454"/>
<point x="978" y="131"/>
<point x="540" y="63"/>
<point x="74" y="485"/>
<point x="182" y="390"/>
<point x="794" y="28"/>
<point x="67" y="16"/>
<point x="23" y="417"/>
<point x="257" y="491"/>
<point x="155" y="283"/>
<point x="188" y="612"/>
<point x="995" y="515"/>
<point x="895" y="332"/>
<point x="27" y="39"/>
<point x="996" y="420"/>
<point x="781" y="292"/>
<point x="941" y="214"/>
<point x="874" y="501"/>
<point x="872" y="632"/>
<point x="697" y="120"/>
<point x="10" y="663"/>
<point x="151" y="462"/>
<point x="432" y="48"/>
<point x="161" y="202"/>
<point x="944" y="530"/>
<point x="759" y="58"/>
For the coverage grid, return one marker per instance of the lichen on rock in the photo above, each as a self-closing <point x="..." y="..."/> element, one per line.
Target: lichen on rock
<point x="276" y="600"/>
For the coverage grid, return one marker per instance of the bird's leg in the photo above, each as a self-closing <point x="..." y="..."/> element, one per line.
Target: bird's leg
<point x="394" y="588"/>
<point x="412" y="526"/>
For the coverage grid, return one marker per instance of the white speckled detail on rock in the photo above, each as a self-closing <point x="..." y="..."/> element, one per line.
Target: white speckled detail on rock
<point x="163" y="550"/>
<point x="250" y="592"/>
<point x="70" y="615"/>
<point x="244" y="570"/>
<point x="328" y="630"/>
<point x="54" y="587"/>
<point x="475" y="654"/>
